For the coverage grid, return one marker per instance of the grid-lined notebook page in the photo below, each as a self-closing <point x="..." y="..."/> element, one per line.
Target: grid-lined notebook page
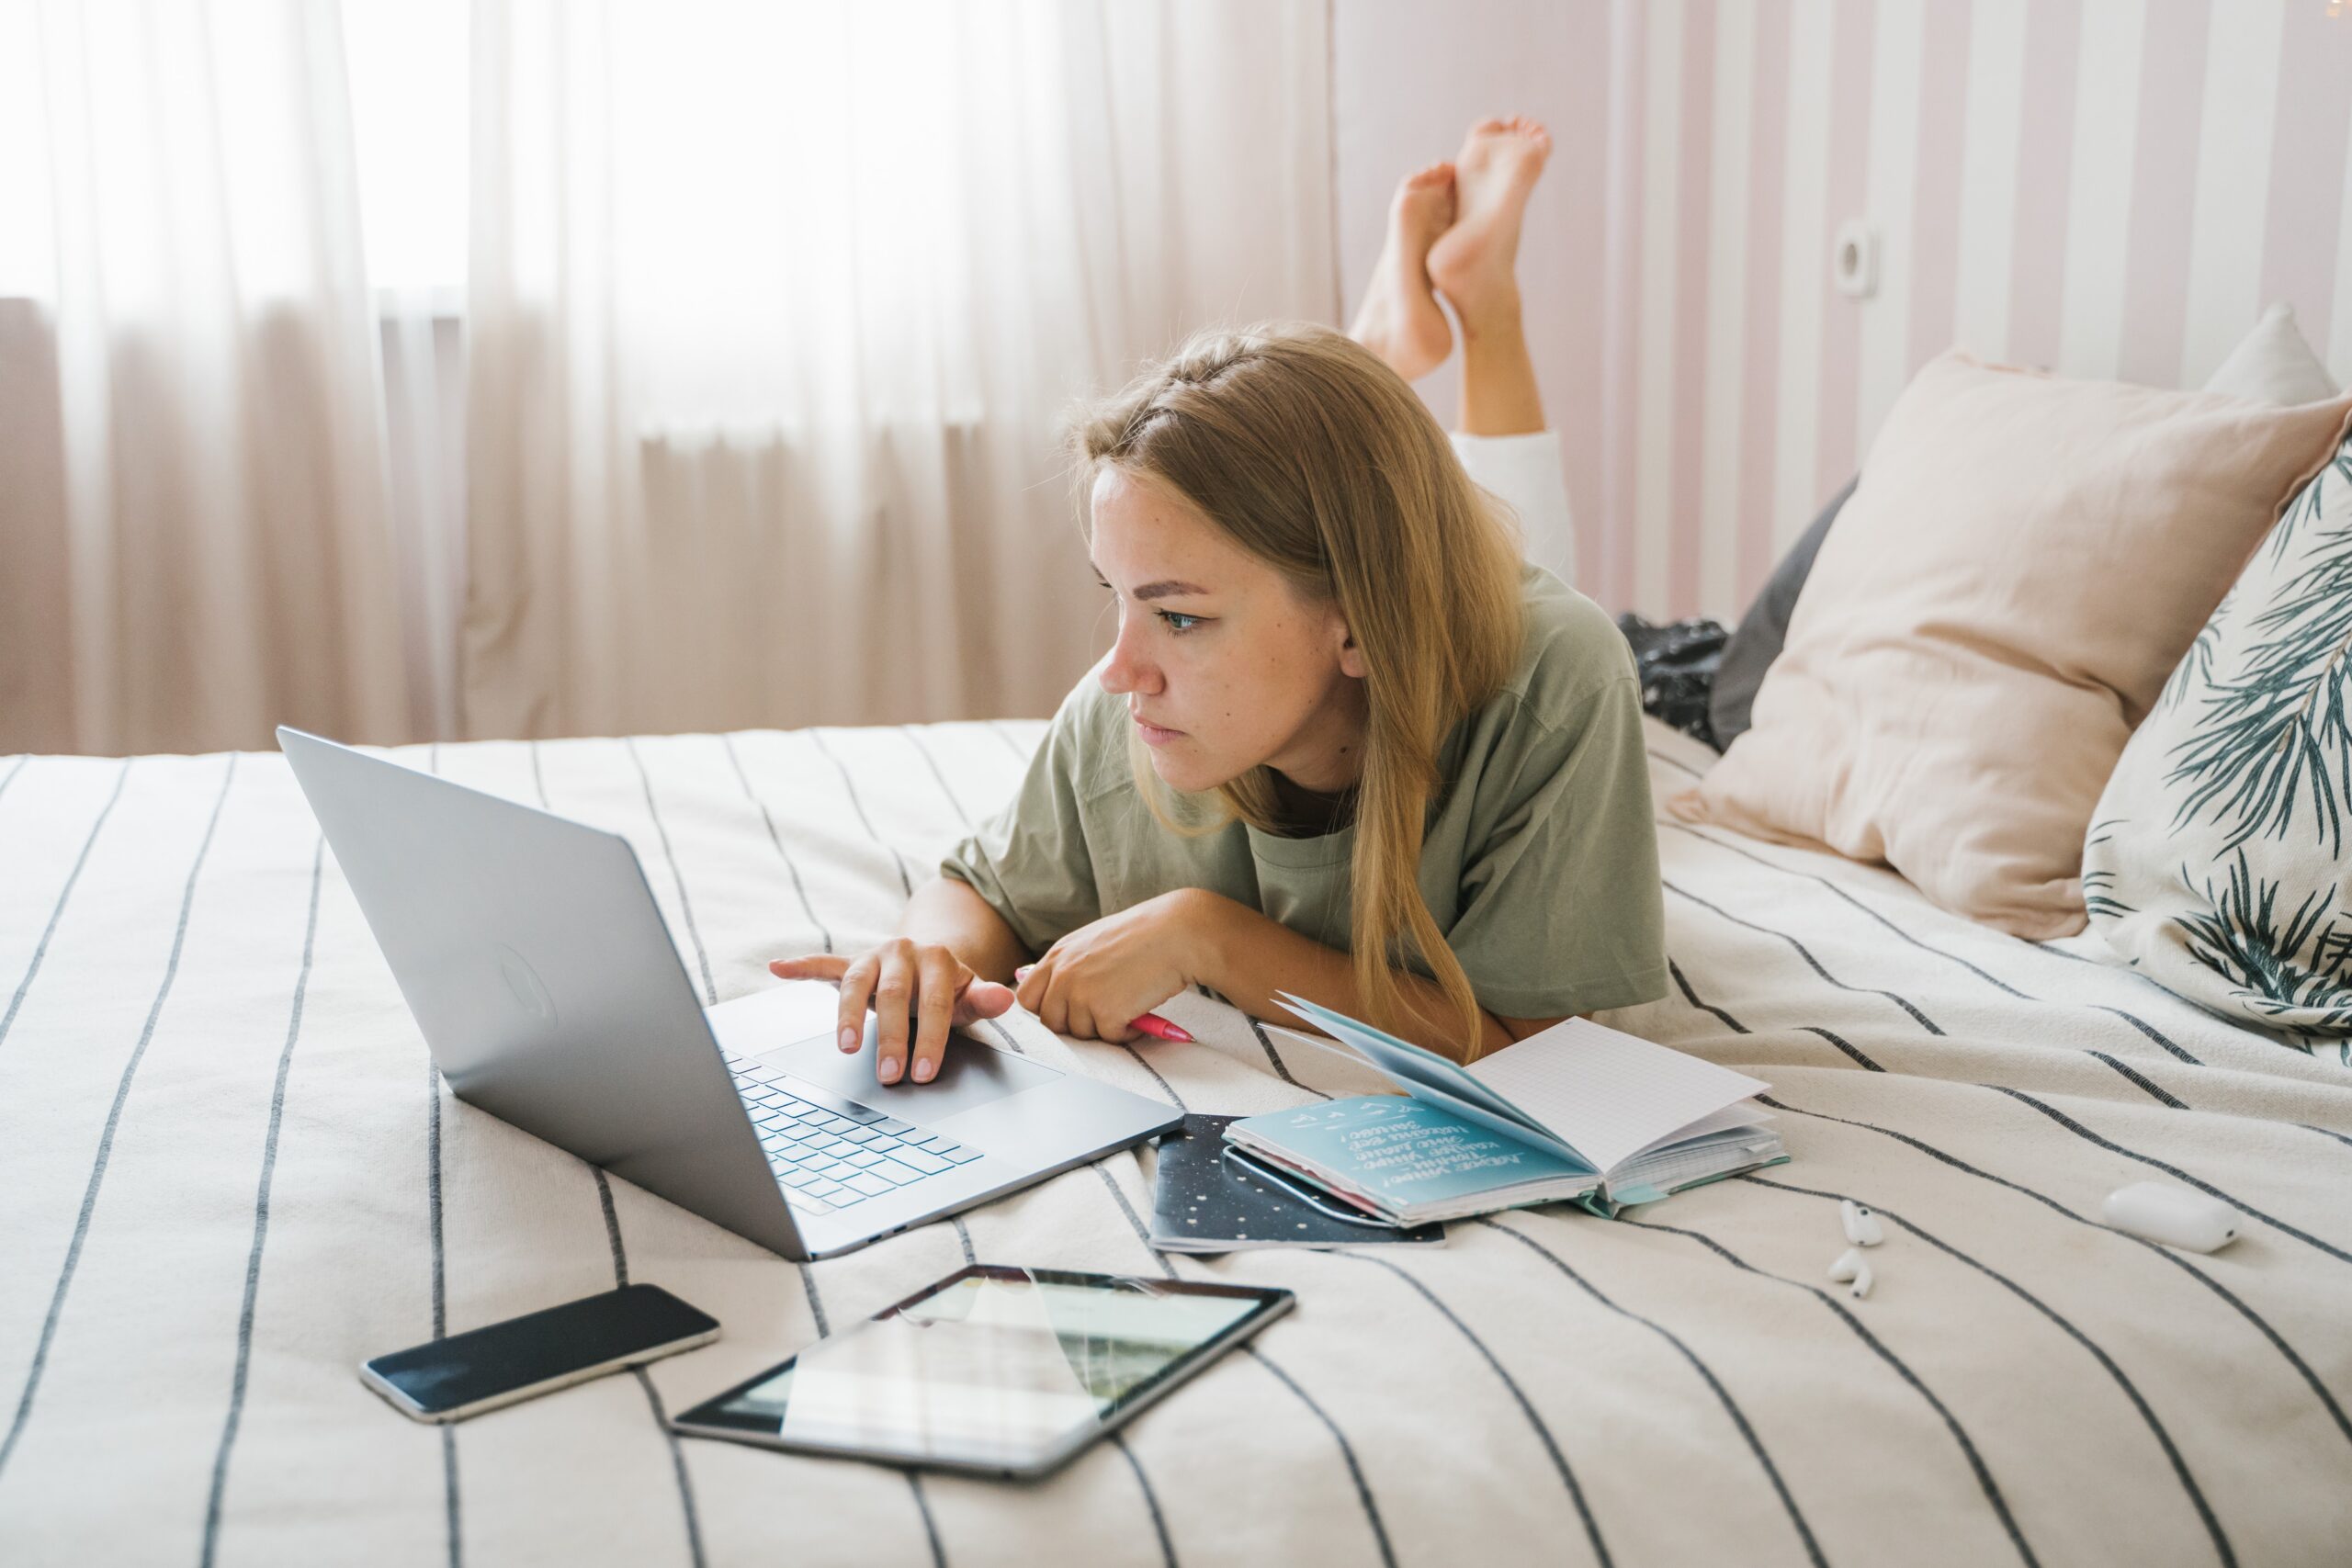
<point x="1607" y="1093"/>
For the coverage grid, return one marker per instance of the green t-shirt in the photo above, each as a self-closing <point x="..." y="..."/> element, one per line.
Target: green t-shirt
<point x="1539" y="861"/>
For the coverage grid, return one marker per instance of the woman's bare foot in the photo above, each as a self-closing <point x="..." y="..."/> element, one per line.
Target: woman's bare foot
<point x="1400" y="320"/>
<point x="1471" y="262"/>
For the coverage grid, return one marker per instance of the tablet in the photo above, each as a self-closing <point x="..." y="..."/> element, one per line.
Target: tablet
<point x="999" y="1370"/>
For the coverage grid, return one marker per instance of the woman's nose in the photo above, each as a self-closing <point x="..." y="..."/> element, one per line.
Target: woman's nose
<point x="1125" y="671"/>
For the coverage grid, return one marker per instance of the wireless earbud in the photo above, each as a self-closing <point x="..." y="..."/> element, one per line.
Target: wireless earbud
<point x="1851" y="1266"/>
<point x="1863" y="1230"/>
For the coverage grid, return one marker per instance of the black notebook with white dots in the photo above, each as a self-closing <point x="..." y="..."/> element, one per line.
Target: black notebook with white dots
<point x="1213" y="1198"/>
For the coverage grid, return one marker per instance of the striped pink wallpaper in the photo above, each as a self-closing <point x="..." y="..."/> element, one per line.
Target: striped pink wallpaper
<point x="2108" y="187"/>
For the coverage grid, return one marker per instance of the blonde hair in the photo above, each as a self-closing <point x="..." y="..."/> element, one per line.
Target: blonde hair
<point x="1311" y="453"/>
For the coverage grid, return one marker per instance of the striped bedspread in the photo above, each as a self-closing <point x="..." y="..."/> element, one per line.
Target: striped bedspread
<point x="229" y="1173"/>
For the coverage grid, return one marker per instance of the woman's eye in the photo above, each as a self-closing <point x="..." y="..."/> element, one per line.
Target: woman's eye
<point x="1178" y="624"/>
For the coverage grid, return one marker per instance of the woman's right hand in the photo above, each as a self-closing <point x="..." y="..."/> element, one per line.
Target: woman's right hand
<point x="904" y="981"/>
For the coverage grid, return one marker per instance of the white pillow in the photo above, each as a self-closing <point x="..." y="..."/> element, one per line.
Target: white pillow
<point x="2273" y="365"/>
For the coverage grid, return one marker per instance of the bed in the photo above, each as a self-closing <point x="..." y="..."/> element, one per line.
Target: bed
<point x="230" y="1174"/>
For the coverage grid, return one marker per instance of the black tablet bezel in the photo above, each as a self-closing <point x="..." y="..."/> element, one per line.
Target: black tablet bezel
<point x="708" y="1418"/>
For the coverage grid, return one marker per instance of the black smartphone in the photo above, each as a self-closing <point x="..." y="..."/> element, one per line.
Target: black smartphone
<point x="448" y="1380"/>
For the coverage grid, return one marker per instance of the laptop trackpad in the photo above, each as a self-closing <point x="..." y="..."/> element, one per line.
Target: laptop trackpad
<point x="972" y="1075"/>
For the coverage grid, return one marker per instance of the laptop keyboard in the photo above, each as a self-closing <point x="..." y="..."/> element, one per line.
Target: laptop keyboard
<point x="831" y="1159"/>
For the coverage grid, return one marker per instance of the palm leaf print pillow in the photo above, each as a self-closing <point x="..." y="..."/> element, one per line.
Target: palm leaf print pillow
<point x="2216" y="861"/>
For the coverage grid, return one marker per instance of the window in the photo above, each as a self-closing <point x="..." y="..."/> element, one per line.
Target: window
<point x="411" y="111"/>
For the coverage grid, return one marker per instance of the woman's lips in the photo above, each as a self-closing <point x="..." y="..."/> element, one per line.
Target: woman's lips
<point x="1155" y="736"/>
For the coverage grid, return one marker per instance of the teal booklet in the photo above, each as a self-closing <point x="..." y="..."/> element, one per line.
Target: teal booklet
<point x="1579" y="1112"/>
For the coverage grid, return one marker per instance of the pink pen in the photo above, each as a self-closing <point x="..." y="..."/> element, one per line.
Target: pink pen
<point x="1150" y="1023"/>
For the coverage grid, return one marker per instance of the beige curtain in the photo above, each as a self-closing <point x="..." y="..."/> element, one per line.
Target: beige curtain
<point x="774" y="313"/>
<point x="193" y="538"/>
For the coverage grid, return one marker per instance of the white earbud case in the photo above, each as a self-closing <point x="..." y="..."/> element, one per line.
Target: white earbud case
<point x="2172" y="1215"/>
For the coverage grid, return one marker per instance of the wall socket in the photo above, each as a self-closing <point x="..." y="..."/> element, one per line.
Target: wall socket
<point x="1853" y="258"/>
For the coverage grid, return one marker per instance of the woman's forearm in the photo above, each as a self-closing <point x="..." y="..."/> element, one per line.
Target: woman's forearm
<point x="1246" y="958"/>
<point x="949" y="912"/>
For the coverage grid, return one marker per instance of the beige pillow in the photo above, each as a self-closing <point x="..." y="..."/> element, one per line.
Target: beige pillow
<point x="2025" y="559"/>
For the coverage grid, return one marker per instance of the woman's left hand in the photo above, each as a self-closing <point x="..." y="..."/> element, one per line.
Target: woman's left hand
<point x="1096" y="979"/>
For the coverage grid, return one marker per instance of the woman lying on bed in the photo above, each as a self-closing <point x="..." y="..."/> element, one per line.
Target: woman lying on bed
<point x="1346" y="744"/>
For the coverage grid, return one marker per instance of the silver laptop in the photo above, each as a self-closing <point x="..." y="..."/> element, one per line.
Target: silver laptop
<point x="531" y="951"/>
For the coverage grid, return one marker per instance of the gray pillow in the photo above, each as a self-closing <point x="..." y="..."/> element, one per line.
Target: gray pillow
<point x="1757" y="640"/>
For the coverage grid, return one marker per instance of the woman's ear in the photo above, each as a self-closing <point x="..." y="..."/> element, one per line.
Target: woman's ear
<point x="1350" y="656"/>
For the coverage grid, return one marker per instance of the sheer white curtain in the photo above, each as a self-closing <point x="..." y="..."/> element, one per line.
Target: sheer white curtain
<point x="407" y="61"/>
<point x="774" y="310"/>
<point x="192" y="481"/>
<point x="745" y="413"/>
